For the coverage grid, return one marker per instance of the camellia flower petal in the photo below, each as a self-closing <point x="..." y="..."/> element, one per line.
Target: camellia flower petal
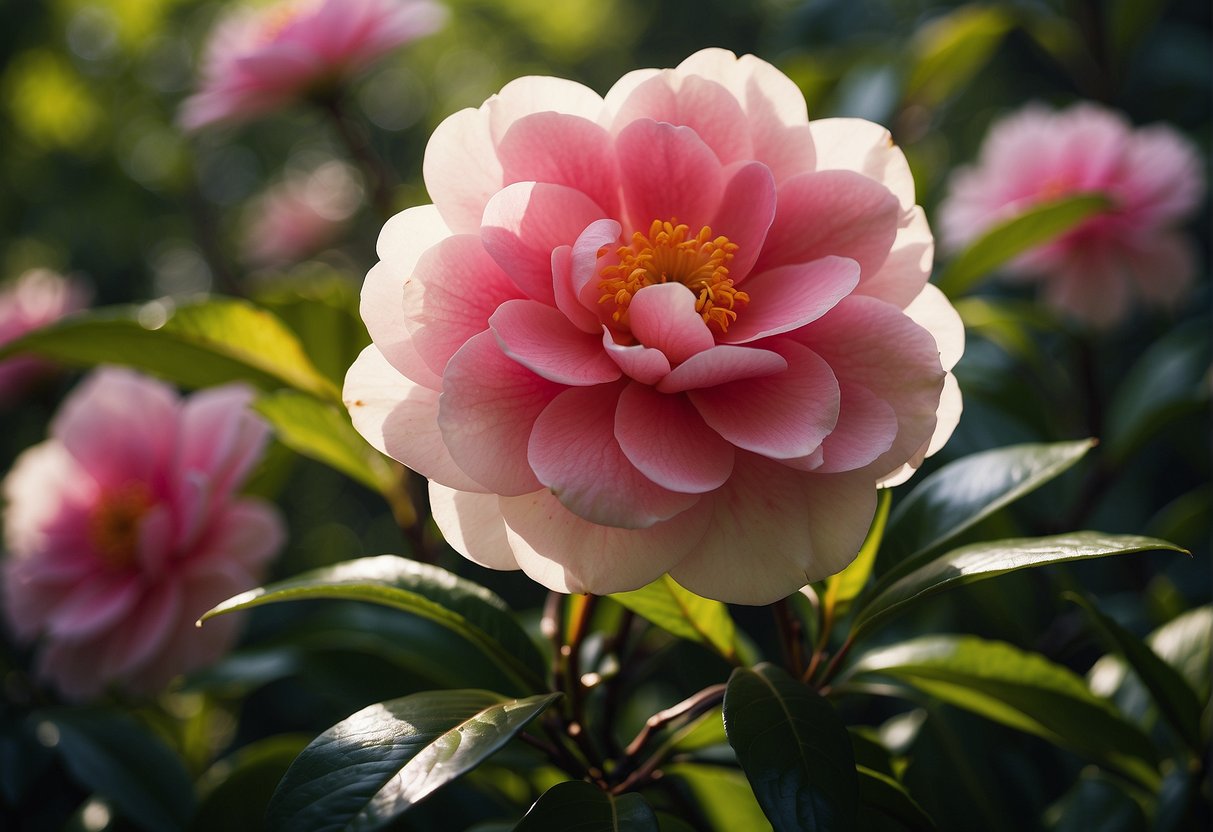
<point x="259" y="59"/>
<point x="660" y="331"/>
<point x="125" y="526"/>
<point x="1152" y="175"/>
<point x="35" y="299"/>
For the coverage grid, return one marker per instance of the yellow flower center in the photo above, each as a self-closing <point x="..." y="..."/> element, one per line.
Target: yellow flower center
<point x="114" y="526"/>
<point x="668" y="255"/>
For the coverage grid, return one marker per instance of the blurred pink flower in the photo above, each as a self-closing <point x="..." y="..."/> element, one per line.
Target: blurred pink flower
<point x="1152" y="175"/>
<point x="301" y="215"/>
<point x="677" y="330"/>
<point x="35" y="299"/>
<point x="261" y="59"/>
<point x="125" y="526"/>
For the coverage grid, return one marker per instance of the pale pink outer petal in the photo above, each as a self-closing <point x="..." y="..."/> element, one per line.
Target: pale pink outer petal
<point x="908" y="266"/>
<point x="864" y="147"/>
<point x="221" y="437"/>
<point x="1164" y="178"/>
<point x="473" y="526"/>
<point x="774" y="529"/>
<point x="400" y="418"/>
<point x="783" y="416"/>
<point x="44" y="484"/>
<point x="585" y="266"/>
<point x="461" y="169"/>
<point x="94" y="605"/>
<point x="487" y="411"/>
<point x="573" y="451"/>
<point x="453" y="291"/>
<point x="722" y="364"/>
<point x="542" y="339"/>
<point x="539" y="94"/>
<point x="563" y="150"/>
<point x="568" y="554"/>
<point x="690" y="101"/>
<point x="525" y="223"/>
<point x="932" y="311"/>
<point x="867" y="426"/>
<point x="788" y="297"/>
<point x="668" y="173"/>
<point x="663" y="316"/>
<point x="404" y="238"/>
<point x="668" y="441"/>
<point x="120" y="427"/>
<point x="746" y="211"/>
<point x="645" y="364"/>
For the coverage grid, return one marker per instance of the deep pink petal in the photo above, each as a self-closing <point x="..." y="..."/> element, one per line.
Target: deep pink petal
<point x="563" y="150"/>
<point x="746" y="211"/>
<point x="461" y="169"/>
<point x="221" y="437"/>
<point x="697" y="103"/>
<point x="783" y="416"/>
<point x="774" y="529"/>
<point x="573" y="452"/>
<point x="832" y="212"/>
<point x="524" y="223"/>
<point x="788" y="297"/>
<point x="248" y="532"/>
<point x="541" y="339"/>
<point x="567" y="300"/>
<point x="94" y="605"/>
<point x="663" y="316"/>
<point x="487" y="411"/>
<point x="452" y="293"/>
<point x="645" y="364"/>
<point x="668" y="173"/>
<point x="472" y="525"/>
<point x="722" y="364"/>
<point x="144" y="631"/>
<point x="667" y="440"/>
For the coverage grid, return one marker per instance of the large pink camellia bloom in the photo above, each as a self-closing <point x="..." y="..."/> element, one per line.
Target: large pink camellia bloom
<point x="125" y="526"/>
<point x="259" y="59"/>
<point x="37" y="298"/>
<point x="1152" y="175"/>
<point x="679" y="329"/>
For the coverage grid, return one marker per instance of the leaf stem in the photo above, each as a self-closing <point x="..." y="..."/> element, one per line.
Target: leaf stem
<point x="689" y="708"/>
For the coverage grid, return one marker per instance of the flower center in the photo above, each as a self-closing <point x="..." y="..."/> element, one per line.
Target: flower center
<point x="668" y="255"/>
<point x="113" y="527"/>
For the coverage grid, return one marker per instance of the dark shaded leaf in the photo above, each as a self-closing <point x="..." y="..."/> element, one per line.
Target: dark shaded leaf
<point x="885" y="804"/>
<point x="577" y="806"/>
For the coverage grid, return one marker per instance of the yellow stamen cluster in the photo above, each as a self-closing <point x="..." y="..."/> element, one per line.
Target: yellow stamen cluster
<point x="668" y="255"/>
<point x="114" y="525"/>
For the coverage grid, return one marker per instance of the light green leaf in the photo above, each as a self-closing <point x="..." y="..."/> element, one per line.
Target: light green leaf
<point x="1039" y="224"/>
<point x="951" y="49"/>
<point x="581" y="806"/>
<point x="885" y="804"/>
<point x="322" y="431"/>
<point x="196" y="344"/>
<point x="371" y="767"/>
<point x="684" y="614"/>
<point x="793" y="748"/>
<point x="463" y="607"/>
<point x="722" y="794"/>
<point x="844" y="586"/>
<point x="1017" y="688"/>
<point x="981" y="561"/>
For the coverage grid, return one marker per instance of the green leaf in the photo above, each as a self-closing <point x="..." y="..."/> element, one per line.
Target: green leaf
<point x="380" y="762"/>
<point x="968" y="490"/>
<point x="1037" y="225"/>
<point x="684" y="614"/>
<point x="722" y="795"/>
<point x="1017" y="688"/>
<point x="981" y="561"/>
<point x="1176" y="701"/>
<point x="322" y="431"/>
<point x="885" y="804"/>
<point x="844" y="586"/>
<point x="1096" y="801"/>
<point x="951" y="49"/>
<point x="793" y="748"/>
<point x="463" y="607"/>
<point x="581" y="806"/>
<point x="116" y="756"/>
<point x="236" y="789"/>
<point x="196" y="344"/>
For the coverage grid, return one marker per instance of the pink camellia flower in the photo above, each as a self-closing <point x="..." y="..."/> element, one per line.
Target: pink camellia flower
<point x="301" y="215"/>
<point x="35" y="299"/>
<point x="260" y="59"/>
<point x="1152" y="176"/>
<point x="679" y="329"/>
<point x="125" y="526"/>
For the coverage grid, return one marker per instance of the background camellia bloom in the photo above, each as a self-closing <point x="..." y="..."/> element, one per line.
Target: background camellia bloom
<point x="125" y="526"/>
<point x="301" y="215"/>
<point x="35" y="299"/>
<point x="260" y="59"/>
<point x="679" y="329"/>
<point x="1152" y="175"/>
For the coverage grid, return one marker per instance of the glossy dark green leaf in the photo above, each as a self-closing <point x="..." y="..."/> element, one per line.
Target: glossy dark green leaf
<point x="371" y="767"/>
<point x="1176" y="701"/>
<point x="577" y="806"/>
<point x="195" y="344"/>
<point x="1017" y="688"/>
<point x="685" y="614"/>
<point x="885" y="804"/>
<point x="236" y="790"/>
<point x="322" y="431"/>
<point x="982" y="561"/>
<point x="968" y="490"/>
<point x="463" y="607"/>
<point x="119" y="758"/>
<point x="1039" y="224"/>
<point x="793" y="748"/>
